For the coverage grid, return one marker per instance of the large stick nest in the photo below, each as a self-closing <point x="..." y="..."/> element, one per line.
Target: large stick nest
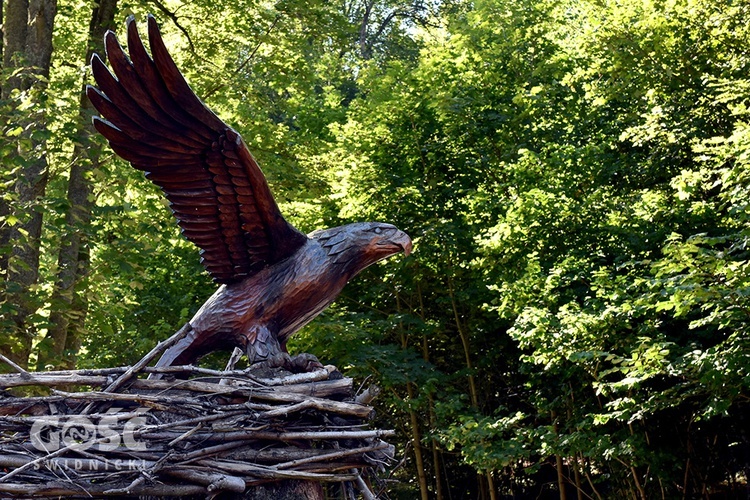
<point x="204" y="433"/>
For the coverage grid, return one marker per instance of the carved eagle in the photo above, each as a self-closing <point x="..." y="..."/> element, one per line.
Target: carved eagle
<point x="274" y="279"/>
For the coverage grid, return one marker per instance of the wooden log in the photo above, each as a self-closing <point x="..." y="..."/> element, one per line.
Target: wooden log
<point x="315" y="387"/>
<point x="269" y="473"/>
<point x="213" y="481"/>
<point x="9" y="380"/>
<point x="321" y="389"/>
<point x="331" y="456"/>
<point x="273" y="436"/>
<point x="102" y="376"/>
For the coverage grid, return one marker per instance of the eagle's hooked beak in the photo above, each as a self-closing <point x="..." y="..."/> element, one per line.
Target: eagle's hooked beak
<point x="402" y="239"/>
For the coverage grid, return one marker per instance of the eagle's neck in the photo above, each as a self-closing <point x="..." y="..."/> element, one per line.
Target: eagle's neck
<point x="345" y="255"/>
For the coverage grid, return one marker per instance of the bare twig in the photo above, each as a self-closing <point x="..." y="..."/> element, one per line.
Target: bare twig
<point x="157" y="350"/>
<point x="13" y="365"/>
<point x="334" y="455"/>
<point x="367" y="494"/>
<point x="175" y="20"/>
<point x="233" y="358"/>
<point x="129" y="489"/>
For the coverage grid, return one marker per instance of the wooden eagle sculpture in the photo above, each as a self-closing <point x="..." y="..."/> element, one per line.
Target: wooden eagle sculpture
<point x="273" y="278"/>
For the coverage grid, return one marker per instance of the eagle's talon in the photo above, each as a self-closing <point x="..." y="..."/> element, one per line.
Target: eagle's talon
<point x="283" y="364"/>
<point x="270" y="361"/>
<point x="301" y="363"/>
<point x="304" y="363"/>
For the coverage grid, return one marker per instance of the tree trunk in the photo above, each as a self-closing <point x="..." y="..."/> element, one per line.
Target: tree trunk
<point x="14" y="39"/>
<point x="2" y="12"/>
<point x="28" y="43"/>
<point x="69" y="305"/>
<point x="417" y="443"/>
<point x="414" y="420"/>
<point x="431" y="402"/>
<point x="473" y="393"/>
<point x="464" y="336"/>
<point x="559" y="460"/>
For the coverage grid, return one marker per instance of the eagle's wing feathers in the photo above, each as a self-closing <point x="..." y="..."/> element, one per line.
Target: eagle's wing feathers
<point x="216" y="190"/>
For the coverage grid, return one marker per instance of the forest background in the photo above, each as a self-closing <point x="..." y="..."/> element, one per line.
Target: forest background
<point x="574" y="173"/>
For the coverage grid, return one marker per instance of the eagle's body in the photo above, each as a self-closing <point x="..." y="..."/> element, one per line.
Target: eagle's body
<point x="260" y="313"/>
<point x="274" y="278"/>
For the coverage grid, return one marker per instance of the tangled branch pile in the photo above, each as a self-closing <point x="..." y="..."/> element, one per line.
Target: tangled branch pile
<point x="217" y="431"/>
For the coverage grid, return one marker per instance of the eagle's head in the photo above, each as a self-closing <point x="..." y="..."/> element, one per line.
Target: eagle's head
<point x="360" y="244"/>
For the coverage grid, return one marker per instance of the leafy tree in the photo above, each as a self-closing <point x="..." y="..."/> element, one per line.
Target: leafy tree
<point x="69" y="303"/>
<point x="27" y="52"/>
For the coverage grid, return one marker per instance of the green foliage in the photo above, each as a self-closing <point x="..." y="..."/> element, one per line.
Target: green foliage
<point x="584" y="178"/>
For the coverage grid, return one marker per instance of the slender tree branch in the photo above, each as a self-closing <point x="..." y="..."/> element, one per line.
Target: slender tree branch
<point x="249" y="58"/>
<point x="175" y="20"/>
<point x="15" y="366"/>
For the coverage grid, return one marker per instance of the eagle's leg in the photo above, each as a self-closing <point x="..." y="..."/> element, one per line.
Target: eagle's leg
<point x="265" y="348"/>
<point x="267" y="352"/>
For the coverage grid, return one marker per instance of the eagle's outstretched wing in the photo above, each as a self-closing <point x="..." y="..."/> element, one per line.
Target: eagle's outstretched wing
<point x="216" y="190"/>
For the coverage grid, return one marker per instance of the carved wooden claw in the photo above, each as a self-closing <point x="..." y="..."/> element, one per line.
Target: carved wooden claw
<point x="304" y="363"/>
<point x="301" y="363"/>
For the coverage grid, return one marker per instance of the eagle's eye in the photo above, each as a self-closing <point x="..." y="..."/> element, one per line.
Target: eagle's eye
<point x="378" y="230"/>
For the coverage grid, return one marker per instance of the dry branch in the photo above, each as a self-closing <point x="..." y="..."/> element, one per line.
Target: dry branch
<point x="207" y="432"/>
